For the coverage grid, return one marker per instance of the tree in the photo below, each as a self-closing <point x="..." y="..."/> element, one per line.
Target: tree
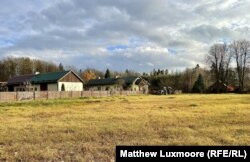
<point x="10" y="67"/>
<point x="219" y="58"/>
<point x="60" y="67"/>
<point x="241" y="52"/>
<point x="107" y="74"/>
<point x="128" y="73"/>
<point x="198" y="85"/>
<point x="188" y="79"/>
<point x="158" y="72"/>
<point x="88" y="75"/>
<point x="24" y="66"/>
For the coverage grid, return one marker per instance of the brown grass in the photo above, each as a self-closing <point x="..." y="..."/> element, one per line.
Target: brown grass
<point x="88" y="129"/>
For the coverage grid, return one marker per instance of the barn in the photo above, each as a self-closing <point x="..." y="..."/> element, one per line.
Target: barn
<point x="53" y="81"/>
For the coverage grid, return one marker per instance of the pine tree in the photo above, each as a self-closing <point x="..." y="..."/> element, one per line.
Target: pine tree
<point x="198" y="85"/>
<point x="107" y="74"/>
<point x="60" y="67"/>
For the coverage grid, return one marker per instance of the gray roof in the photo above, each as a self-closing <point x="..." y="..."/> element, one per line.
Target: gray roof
<point x="21" y="79"/>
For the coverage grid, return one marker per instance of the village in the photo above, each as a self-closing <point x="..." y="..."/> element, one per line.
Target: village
<point x="124" y="81"/>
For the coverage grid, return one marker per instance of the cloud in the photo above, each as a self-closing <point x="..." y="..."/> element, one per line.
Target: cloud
<point x="139" y="35"/>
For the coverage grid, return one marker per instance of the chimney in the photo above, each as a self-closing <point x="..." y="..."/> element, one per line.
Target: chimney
<point x="36" y="73"/>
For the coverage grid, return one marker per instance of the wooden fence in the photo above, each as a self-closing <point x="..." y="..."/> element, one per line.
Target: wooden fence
<point x="19" y="96"/>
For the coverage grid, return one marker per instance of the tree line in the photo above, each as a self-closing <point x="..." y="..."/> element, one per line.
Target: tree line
<point x="228" y="65"/>
<point x="10" y="67"/>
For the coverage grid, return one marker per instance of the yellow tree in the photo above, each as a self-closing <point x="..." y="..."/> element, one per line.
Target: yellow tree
<point x="88" y="75"/>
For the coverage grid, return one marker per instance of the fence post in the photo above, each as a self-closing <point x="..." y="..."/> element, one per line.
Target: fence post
<point x="34" y="95"/>
<point x="16" y="95"/>
<point x="47" y="95"/>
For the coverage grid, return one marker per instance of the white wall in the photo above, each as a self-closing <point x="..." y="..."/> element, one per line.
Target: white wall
<point x="71" y="86"/>
<point x="52" y="87"/>
<point x="135" y="87"/>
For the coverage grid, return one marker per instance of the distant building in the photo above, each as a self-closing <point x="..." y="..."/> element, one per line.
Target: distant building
<point x="114" y="84"/>
<point x="53" y="81"/>
<point x="220" y="87"/>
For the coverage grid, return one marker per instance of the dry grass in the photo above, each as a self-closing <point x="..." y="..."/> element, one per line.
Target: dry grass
<point x="88" y="129"/>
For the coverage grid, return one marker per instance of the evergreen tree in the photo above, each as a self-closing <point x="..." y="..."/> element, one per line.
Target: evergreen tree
<point x="107" y="74"/>
<point x="60" y="67"/>
<point x="158" y="72"/>
<point x="198" y="85"/>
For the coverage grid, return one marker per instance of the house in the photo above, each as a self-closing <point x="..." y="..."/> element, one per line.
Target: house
<point x="220" y="87"/>
<point x="53" y="81"/>
<point x="113" y="84"/>
<point x="20" y="83"/>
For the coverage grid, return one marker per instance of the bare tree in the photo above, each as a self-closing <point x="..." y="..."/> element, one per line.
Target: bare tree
<point x="219" y="58"/>
<point x="241" y="51"/>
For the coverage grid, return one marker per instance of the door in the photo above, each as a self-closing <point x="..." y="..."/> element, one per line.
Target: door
<point x="44" y="87"/>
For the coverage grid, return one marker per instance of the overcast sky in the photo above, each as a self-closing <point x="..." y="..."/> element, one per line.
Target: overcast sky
<point x="120" y="34"/>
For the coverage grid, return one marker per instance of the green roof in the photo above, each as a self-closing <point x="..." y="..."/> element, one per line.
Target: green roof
<point x="106" y="81"/>
<point x="48" y="77"/>
<point x="110" y="81"/>
<point x="129" y="80"/>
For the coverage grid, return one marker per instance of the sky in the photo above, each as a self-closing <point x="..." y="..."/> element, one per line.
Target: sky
<point x="138" y="35"/>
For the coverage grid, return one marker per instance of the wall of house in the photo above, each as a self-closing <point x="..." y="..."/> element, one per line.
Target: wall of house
<point x="36" y="87"/>
<point x="135" y="87"/>
<point x="52" y="87"/>
<point x="106" y="88"/>
<point x="71" y="86"/>
<point x="20" y="88"/>
<point x="132" y="87"/>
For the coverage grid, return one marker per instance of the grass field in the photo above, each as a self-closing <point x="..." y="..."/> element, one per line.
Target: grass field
<point x="88" y="129"/>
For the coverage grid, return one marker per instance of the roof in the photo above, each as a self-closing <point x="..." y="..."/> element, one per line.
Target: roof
<point x="106" y="81"/>
<point x="21" y="79"/>
<point x="110" y="81"/>
<point x="130" y="80"/>
<point x="48" y="77"/>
